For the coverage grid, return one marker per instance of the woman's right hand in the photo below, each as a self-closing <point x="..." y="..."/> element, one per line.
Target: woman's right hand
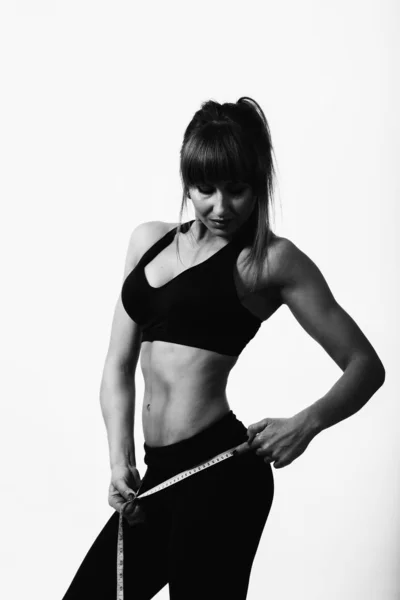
<point x="125" y="480"/>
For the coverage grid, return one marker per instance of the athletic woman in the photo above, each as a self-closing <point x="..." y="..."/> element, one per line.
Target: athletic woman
<point x="193" y="296"/>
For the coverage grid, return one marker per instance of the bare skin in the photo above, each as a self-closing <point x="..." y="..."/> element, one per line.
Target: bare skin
<point x="185" y="387"/>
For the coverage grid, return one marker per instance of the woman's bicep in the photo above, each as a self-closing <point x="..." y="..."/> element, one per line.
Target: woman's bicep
<point x="126" y="335"/>
<point x="125" y="341"/>
<point x="307" y="294"/>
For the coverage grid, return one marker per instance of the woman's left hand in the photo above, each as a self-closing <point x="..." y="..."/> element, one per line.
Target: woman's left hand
<point x="278" y="440"/>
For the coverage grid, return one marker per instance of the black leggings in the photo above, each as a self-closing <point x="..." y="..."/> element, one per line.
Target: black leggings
<point x="200" y="535"/>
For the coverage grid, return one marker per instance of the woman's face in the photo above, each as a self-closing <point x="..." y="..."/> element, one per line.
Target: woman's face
<point x="225" y="200"/>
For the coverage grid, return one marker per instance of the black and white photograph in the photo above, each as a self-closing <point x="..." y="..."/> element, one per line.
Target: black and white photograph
<point x="200" y="300"/>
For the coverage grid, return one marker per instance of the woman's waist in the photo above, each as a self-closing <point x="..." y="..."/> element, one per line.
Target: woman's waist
<point x="170" y="364"/>
<point x="169" y="419"/>
<point x="221" y="433"/>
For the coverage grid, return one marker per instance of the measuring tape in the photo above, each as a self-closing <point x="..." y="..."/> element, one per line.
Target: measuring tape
<point x="120" y="544"/>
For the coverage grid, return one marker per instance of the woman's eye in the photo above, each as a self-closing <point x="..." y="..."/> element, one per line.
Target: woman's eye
<point x="235" y="191"/>
<point x="203" y="190"/>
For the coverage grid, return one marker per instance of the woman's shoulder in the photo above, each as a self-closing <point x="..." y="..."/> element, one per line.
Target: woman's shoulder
<point x="149" y="232"/>
<point x="281" y="248"/>
<point x="287" y="260"/>
<point x="279" y="257"/>
<point x="146" y="234"/>
<point x="154" y="227"/>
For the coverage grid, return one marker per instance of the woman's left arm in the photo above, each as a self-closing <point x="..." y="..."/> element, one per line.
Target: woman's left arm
<point x="309" y="298"/>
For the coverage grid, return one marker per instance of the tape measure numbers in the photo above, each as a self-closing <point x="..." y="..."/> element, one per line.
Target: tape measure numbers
<point x="175" y="479"/>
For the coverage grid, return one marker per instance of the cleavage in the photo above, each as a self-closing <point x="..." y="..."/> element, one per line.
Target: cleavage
<point x="166" y="266"/>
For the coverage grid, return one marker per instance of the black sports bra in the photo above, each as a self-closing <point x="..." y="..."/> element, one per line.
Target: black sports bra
<point x="199" y="307"/>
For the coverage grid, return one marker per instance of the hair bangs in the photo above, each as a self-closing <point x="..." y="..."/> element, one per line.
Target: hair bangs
<point x="215" y="154"/>
<point x="226" y="143"/>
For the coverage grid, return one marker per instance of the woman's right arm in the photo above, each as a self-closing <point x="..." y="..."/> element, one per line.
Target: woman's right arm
<point x="117" y="389"/>
<point x="117" y="401"/>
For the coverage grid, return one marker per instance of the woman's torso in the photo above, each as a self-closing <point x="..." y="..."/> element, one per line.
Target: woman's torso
<point x="185" y="387"/>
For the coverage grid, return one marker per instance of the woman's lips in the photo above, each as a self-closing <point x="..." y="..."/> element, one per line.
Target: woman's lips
<point x="224" y="223"/>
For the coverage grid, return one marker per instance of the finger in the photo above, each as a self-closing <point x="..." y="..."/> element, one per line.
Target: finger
<point x="128" y="493"/>
<point x="256" y="441"/>
<point x="279" y="465"/>
<point x="123" y="490"/>
<point x="242" y="449"/>
<point x="268" y="459"/>
<point x="283" y="463"/>
<point x="136" y="476"/>
<point x="116" y="503"/>
<point x="258" y="426"/>
<point x="255" y="428"/>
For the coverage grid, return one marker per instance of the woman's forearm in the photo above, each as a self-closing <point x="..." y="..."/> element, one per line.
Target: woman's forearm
<point x="117" y="401"/>
<point x="359" y="382"/>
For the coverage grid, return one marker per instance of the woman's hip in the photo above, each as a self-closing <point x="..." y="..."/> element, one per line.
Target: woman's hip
<point x="199" y="451"/>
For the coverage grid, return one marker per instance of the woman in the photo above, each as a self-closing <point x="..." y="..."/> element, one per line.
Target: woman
<point x="191" y="318"/>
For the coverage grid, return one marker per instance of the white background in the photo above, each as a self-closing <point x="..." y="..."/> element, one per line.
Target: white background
<point x="95" y="99"/>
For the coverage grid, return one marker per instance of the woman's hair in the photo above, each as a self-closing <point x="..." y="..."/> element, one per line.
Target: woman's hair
<point x="232" y="142"/>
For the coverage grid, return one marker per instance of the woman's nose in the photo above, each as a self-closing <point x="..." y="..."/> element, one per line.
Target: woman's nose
<point x="221" y="197"/>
